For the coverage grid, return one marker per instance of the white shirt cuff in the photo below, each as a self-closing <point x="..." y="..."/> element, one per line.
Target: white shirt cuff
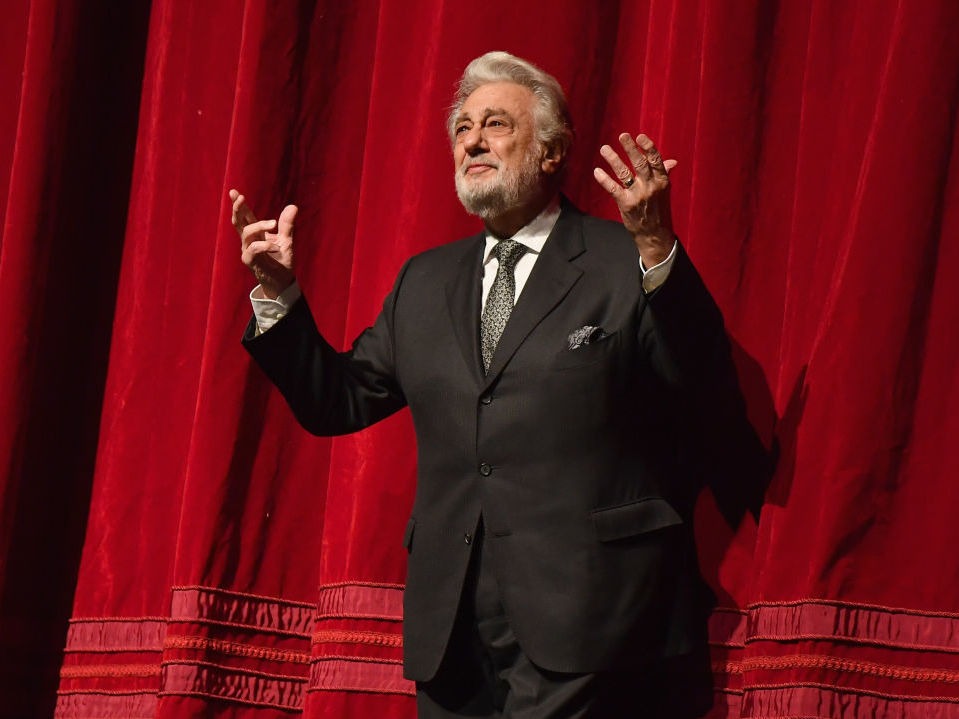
<point x="656" y="275"/>
<point x="268" y="312"/>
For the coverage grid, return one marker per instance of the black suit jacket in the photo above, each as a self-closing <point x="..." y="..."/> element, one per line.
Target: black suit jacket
<point x="584" y="463"/>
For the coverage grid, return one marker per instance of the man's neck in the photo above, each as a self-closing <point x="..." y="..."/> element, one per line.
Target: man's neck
<point x="509" y="223"/>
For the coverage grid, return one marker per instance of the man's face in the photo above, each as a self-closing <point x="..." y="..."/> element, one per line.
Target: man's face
<point x="498" y="160"/>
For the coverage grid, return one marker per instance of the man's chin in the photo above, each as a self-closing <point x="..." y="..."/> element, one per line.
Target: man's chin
<point x="473" y="185"/>
<point x="480" y="200"/>
<point x="480" y="209"/>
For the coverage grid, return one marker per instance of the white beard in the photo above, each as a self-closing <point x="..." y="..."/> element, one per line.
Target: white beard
<point x="504" y="191"/>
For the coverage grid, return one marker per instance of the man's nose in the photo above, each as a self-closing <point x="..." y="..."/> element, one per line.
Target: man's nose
<point x="474" y="141"/>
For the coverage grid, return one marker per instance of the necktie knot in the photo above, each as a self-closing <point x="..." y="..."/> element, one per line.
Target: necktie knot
<point x="508" y="253"/>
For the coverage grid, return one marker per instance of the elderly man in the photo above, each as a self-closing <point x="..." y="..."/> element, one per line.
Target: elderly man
<point x="559" y="368"/>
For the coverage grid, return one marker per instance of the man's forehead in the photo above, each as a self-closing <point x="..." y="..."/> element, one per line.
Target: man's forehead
<point x="496" y="97"/>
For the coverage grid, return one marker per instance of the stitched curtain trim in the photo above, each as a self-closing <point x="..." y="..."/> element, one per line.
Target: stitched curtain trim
<point x="225" y="683"/>
<point x="235" y="649"/>
<point x="116" y="634"/>
<point x="88" y="671"/>
<point x="332" y="636"/>
<point x="77" y="705"/>
<point x="818" y="661"/>
<point x="813" y="619"/>
<point x="349" y="669"/>
<point x="211" y="606"/>
<point x="727" y="627"/>
<point x="359" y="674"/>
<point x="823" y="700"/>
<point x="863" y="624"/>
<point x="361" y="601"/>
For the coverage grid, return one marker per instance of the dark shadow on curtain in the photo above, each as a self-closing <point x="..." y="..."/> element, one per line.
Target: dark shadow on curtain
<point x="785" y="441"/>
<point x="86" y="195"/>
<point x="748" y="451"/>
<point x="742" y="464"/>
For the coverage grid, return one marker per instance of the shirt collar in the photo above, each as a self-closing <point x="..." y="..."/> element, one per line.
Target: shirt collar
<point x="534" y="234"/>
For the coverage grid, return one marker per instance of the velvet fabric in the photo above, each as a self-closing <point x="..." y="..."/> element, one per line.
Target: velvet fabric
<point x="172" y="544"/>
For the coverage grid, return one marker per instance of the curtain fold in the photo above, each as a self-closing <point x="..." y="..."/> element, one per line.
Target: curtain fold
<point x="67" y="133"/>
<point x="173" y="544"/>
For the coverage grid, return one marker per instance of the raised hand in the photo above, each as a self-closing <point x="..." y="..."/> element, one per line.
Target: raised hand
<point x="642" y="194"/>
<point x="268" y="254"/>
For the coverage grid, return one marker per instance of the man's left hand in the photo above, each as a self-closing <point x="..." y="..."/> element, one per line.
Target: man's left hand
<point x="642" y="194"/>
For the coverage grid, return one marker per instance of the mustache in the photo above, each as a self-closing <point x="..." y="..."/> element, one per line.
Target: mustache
<point x="478" y="160"/>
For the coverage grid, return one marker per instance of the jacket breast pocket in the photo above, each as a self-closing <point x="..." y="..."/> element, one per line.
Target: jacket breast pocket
<point x="408" y="534"/>
<point x="584" y="355"/>
<point x="633" y="518"/>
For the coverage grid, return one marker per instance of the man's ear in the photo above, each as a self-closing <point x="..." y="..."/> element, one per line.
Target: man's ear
<point x="553" y="156"/>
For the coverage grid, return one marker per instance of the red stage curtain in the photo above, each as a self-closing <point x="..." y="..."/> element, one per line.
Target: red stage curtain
<point x="220" y="560"/>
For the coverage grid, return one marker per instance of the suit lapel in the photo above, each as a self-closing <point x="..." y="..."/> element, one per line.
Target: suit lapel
<point x="552" y="278"/>
<point x="464" y="291"/>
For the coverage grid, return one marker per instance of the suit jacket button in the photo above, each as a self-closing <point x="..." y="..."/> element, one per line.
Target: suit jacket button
<point x="486" y="399"/>
<point x="468" y="538"/>
<point x="485" y="469"/>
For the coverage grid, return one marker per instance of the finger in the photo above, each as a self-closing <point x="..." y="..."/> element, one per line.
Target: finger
<point x="608" y="183"/>
<point x="285" y="226"/>
<point x="242" y="214"/>
<point x="280" y="243"/>
<point x="238" y="203"/>
<point x="234" y="207"/>
<point x="255" y="228"/>
<point x="616" y="164"/>
<point x="640" y="165"/>
<point x="257" y="248"/>
<point x="653" y="157"/>
<point x="670" y="164"/>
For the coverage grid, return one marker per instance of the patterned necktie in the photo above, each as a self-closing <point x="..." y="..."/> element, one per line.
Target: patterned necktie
<point x="502" y="295"/>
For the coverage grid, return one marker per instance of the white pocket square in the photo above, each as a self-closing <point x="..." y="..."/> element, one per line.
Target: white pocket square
<point x="584" y="335"/>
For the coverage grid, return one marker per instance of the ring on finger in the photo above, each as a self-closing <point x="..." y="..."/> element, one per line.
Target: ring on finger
<point x="628" y="182"/>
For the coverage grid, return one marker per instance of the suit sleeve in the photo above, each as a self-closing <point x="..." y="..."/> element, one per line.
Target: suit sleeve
<point x="330" y="392"/>
<point x="684" y="338"/>
<point x="682" y="331"/>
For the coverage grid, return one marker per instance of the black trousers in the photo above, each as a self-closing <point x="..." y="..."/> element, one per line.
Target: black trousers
<point x="484" y="672"/>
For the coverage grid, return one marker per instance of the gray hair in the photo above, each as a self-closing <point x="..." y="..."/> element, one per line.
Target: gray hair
<point x="554" y="127"/>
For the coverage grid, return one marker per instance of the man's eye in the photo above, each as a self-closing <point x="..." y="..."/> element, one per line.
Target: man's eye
<point x="461" y="128"/>
<point x="497" y="127"/>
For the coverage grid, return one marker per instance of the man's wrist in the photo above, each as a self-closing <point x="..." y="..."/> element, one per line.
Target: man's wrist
<point x="655" y="275"/>
<point x="655" y="248"/>
<point x="268" y="311"/>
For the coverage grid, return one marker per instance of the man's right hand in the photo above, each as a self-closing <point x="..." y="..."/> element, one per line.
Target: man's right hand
<point x="268" y="254"/>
